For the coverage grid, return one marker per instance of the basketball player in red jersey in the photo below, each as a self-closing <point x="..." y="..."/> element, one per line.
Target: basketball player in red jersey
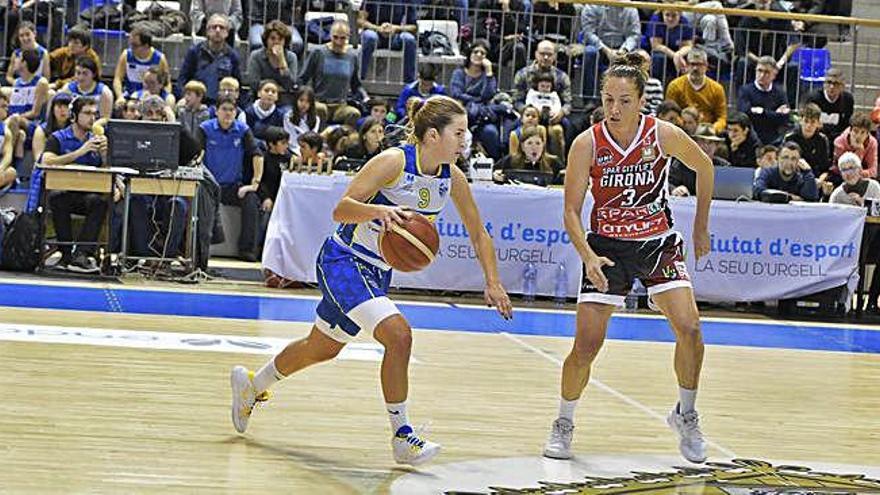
<point x="626" y="159"/>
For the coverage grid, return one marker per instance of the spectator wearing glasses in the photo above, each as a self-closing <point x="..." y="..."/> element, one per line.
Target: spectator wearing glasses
<point x="854" y="190"/>
<point x="333" y="71"/>
<point x="75" y="144"/>
<point x="696" y="89"/>
<point x="835" y="102"/>
<point x="545" y="66"/>
<point x="765" y="102"/>
<point x="211" y="60"/>
<point x="205" y="9"/>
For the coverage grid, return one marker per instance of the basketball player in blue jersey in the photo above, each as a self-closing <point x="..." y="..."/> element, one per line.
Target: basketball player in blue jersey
<point x="354" y="279"/>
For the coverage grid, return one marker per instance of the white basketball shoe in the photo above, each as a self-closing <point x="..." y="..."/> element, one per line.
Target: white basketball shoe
<point x="244" y="397"/>
<point x="690" y="438"/>
<point x="559" y="444"/>
<point x="410" y="447"/>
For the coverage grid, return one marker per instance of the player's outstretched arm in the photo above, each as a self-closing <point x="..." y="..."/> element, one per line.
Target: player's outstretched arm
<point x="382" y="169"/>
<point x="577" y="177"/>
<point x="467" y="209"/>
<point x="678" y="144"/>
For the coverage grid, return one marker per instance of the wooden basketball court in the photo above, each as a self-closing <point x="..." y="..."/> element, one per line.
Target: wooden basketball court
<point x="94" y="401"/>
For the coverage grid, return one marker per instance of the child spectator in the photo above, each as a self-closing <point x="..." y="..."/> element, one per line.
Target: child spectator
<point x="191" y="112"/>
<point x="690" y="118"/>
<point x="229" y="87"/>
<point x="531" y="155"/>
<point x="155" y="81"/>
<point x="742" y="142"/>
<point x="302" y="118"/>
<point x="815" y="147"/>
<point x="264" y="112"/>
<point x="669" y="111"/>
<point x="311" y="154"/>
<point x="371" y="135"/>
<point x="421" y="89"/>
<point x="530" y="116"/>
<point x="544" y="97"/>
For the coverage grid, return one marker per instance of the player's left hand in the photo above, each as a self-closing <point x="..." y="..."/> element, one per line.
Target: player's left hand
<point x="701" y="242"/>
<point x="497" y="297"/>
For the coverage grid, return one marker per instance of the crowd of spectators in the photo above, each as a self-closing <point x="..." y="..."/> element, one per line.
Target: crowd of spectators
<point x="309" y="93"/>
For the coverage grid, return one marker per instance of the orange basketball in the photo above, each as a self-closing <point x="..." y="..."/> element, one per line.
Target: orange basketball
<point x="412" y="246"/>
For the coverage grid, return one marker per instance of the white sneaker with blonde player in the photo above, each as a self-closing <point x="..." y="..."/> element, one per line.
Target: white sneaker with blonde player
<point x="244" y="397"/>
<point x="690" y="438"/>
<point x="559" y="444"/>
<point x="410" y="447"/>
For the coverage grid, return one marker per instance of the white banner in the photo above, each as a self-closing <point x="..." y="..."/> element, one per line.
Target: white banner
<point x="762" y="251"/>
<point x="759" y="251"/>
<point x="525" y="224"/>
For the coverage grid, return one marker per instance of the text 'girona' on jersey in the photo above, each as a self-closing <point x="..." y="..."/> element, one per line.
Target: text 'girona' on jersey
<point x="426" y="194"/>
<point x="629" y="185"/>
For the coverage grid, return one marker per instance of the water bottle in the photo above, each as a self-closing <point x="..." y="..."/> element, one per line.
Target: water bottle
<point x="530" y="280"/>
<point x="561" y="290"/>
<point x="631" y="303"/>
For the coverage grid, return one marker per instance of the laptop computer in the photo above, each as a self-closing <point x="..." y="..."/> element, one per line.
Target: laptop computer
<point x="535" y="177"/>
<point x="733" y="183"/>
<point x="143" y="145"/>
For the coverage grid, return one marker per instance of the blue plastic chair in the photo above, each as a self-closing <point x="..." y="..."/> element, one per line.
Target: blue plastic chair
<point x="814" y="63"/>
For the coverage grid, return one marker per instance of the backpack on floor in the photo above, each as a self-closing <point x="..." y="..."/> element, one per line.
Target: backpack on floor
<point x="21" y="243"/>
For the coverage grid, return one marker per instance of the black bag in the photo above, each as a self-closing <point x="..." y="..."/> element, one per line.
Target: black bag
<point x="21" y="243"/>
<point x="435" y="43"/>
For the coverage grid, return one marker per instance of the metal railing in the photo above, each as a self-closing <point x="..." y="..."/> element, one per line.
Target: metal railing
<point x="513" y="38"/>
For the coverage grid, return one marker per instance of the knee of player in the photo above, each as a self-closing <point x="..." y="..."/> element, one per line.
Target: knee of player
<point x="586" y="350"/>
<point x="689" y="328"/>
<point x="396" y="338"/>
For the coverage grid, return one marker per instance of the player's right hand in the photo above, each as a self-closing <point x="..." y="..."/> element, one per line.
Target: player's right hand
<point x="593" y="270"/>
<point x="390" y="215"/>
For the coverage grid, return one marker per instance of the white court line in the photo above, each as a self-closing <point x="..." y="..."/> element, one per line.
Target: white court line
<point x="620" y="395"/>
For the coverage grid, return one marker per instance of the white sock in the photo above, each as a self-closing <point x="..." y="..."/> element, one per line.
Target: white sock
<point x="266" y="377"/>
<point x="686" y="400"/>
<point x="566" y="409"/>
<point x="397" y="415"/>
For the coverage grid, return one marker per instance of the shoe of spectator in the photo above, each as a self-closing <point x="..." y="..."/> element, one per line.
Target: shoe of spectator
<point x="83" y="264"/>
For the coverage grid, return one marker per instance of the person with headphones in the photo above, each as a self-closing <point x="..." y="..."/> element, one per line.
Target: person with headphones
<point x="78" y="144"/>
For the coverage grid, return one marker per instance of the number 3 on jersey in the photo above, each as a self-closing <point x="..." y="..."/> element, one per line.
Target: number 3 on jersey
<point x="629" y="197"/>
<point x="425" y="197"/>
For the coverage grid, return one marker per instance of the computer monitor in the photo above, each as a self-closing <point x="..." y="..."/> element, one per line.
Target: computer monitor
<point x="143" y="145"/>
<point x="526" y="176"/>
<point x="733" y="183"/>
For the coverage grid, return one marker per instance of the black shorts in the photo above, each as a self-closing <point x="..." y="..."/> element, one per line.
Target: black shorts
<point x="657" y="263"/>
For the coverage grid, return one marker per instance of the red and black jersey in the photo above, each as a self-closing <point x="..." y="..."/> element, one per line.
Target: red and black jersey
<point x="629" y="185"/>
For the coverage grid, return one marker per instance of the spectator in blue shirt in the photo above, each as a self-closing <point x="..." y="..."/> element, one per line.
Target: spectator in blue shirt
<point x="671" y="36"/>
<point x="422" y="88"/>
<point x="388" y="26"/>
<point x="233" y="157"/>
<point x="793" y="175"/>
<point x="211" y="60"/>
<point x="76" y="144"/>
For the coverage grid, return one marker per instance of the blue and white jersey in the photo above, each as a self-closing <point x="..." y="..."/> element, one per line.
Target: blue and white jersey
<point x="426" y="194"/>
<point x="24" y="95"/>
<point x="135" y="69"/>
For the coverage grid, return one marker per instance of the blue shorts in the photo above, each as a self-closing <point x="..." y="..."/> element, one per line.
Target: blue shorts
<point x="354" y="293"/>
